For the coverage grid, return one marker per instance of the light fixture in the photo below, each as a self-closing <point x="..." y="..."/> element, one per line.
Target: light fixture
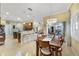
<point x="51" y="21"/>
<point x="54" y="20"/>
<point x="7" y="13"/>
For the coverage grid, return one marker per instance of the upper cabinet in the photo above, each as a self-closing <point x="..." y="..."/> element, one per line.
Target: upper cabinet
<point x="28" y="26"/>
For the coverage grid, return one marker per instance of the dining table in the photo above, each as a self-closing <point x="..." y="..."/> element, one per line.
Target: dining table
<point x="52" y="42"/>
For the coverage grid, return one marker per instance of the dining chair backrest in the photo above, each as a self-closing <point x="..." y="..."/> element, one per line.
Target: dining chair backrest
<point x="62" y="39"/>
<point x="43" y="44"/>
<point x="53" y="34"/>
<point x="45" y="48"/>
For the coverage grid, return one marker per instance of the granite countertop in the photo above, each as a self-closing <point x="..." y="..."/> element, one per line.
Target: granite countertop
<point x="27" y="32"/>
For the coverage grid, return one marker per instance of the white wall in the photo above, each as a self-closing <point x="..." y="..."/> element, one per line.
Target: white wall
<point x="74" y="30"/>
<point x="68" y="33"/>
<point x="8" y="30"/>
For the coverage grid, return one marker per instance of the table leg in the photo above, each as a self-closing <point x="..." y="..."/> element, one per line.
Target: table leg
<point x="37" y="49"/>
<point x="19" y="37"/>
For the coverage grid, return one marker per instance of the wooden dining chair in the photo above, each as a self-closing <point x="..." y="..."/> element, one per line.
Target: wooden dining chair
<point x="53" y="34"/>
<point x="61" y="40"/>
<point x="45" y="48"/>
<point x="58" y="50"/>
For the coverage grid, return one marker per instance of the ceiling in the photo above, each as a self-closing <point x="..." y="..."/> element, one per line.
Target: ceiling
<point x="20" y="12"/>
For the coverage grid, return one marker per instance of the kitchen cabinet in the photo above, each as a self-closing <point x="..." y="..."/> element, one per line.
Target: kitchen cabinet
<point x="2" y="35"/>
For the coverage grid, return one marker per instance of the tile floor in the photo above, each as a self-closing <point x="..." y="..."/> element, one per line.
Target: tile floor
<point x="13" y="48"/>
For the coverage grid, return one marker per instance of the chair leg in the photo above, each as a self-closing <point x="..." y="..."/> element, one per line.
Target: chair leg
<point x="56" y="53"/>
<point x="40" y="54"/>
<point x="60" y="53"/>
<point x="52" y="53"/>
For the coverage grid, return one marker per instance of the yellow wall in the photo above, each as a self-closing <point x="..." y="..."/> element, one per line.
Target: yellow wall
<point x="74" y="7"/>
<point x="2" y="21"/>
<point x="61" y="16"/>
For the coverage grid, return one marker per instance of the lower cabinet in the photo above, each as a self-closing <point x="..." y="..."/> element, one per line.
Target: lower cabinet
<point x="17" y="35"/>
<point x="2" y="38"/>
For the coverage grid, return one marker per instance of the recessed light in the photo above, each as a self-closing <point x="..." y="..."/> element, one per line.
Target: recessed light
<point x="7" y="13"/>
